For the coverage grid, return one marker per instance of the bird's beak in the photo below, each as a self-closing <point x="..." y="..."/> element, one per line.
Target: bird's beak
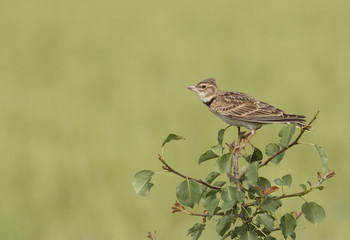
<point x="192" y="88"/>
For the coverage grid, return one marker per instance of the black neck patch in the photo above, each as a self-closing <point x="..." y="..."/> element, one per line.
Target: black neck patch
<point x="209" y="102"/>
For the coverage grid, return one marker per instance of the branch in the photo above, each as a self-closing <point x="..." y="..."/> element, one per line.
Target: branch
<point x="170" y="169"/>
<point x="302" y="130"/>
<point x="264" y="163"/>
<point x="178" y="207"/>
<point x="235" y="154"/>
<point x="327" y="175"/>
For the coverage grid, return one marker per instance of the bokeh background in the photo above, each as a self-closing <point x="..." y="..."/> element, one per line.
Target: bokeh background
<point x="89" y="90"/>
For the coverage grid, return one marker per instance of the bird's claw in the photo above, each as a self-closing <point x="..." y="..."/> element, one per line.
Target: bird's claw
<point x="238" y="148"/>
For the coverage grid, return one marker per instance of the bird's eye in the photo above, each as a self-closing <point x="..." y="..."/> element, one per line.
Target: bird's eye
<point x="203" y="86"/>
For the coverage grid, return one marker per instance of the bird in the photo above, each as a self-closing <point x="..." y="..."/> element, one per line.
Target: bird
<point x="241" y="110"/>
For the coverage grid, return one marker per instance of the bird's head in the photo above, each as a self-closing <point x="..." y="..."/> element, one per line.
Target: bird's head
<point x="206" y="89"/>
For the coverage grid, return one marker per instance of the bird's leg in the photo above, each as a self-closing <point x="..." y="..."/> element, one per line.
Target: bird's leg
<point x="239" y="135"/>
<point x="252" y="133"/>
<point x="248" y="137"/>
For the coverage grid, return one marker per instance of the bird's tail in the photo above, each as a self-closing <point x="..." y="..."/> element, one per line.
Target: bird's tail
<point x="288" y="118"/>
<point x="298" y="119"/>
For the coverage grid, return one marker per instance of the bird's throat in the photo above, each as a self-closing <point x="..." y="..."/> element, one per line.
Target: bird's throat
<point x="208" y="103"/>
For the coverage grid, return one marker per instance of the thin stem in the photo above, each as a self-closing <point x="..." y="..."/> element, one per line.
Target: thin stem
<point x="195" y="214"/>
<point x="258" y="229"/>
<point x="296" y="219"/>
<point x="200" y="214"/>
<point x="302" y="193"/>
<point x="170" y="169"/>
<point x="264" y="163"/>
<point x="326" y="176"/>
<point x="235" y="155"/>
<point x="257" y="209"/>
<point x="306" y="143"/>
<point x="302" y="130"/>
<point x="178" y="207"/>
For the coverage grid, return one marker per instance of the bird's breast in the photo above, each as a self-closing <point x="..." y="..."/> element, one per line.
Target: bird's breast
<point x="238" y="123"/>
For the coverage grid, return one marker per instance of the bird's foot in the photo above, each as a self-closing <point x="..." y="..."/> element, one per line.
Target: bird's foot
<point x="239" y="148"/>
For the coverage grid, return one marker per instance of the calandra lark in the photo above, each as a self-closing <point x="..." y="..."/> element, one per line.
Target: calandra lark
<point x="239" y="109"/>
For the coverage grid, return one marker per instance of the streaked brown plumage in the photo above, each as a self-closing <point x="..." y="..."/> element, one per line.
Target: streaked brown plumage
<point x="239" y="109"/>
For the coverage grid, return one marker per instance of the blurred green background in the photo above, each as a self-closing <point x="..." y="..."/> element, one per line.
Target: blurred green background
<point x="89" y="90"/>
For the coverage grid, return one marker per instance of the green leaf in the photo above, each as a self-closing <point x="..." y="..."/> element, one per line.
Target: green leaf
<point x="221" y="135"/>
<point x="285" y="181"/>
<point x="271" y="149"/>
<point x="217" y="149"/>
<point x="229" y="196"/>
<point x="223" y="225"/>
<point x="229" y="234"/>
<point x="278" y="203"/>
<point x="252" y="173"/>
<point x="293" y="236"/>
<point x="212" y="206"/>
<point x="207" y="200"/>
<point x="226" y="206"/>
<point x="265" y="220"/>
<point x="249" y="236"/>
<point x="142" y="182"/>
<point x="219" y="183"/>
<point x="303" y="186"/>
<point x="224" y="163"/>
<point x="264" y="183"/>
<point x="288" y="225"/>
<point x="286" y="134"/>
<point x="207" y="156"/>
<point x="188" y="193"/>
<point x="313" y="212"/>
<point x="239" y="230"/>
<point x="269" y="238"/>
<point x="323" y="157"/>
<point x="211" y="192"/>
<point x="269" y="205"/>
<point x="245" y="184"/>
<point x="240" y="197"/>
<point x="211" y="177"/>
<point x="196" y="231"/>
<point x="256" y="156"/>
<point x="276" y="160"/>
<point x="172" y="137"/>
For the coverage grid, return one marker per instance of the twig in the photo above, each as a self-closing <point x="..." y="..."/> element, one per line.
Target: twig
<point x="170" y="169"/>
<point x="302" y="130"/>
<point x="296" y="219"/>
<point x="178" y="207"/>
<point x="152" y="236"/>
<point x="264" y="163"/>
<point x="328" y="175"/>
<point x="235" y="168"/>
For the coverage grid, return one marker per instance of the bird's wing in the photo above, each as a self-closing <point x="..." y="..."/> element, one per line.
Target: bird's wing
<point x="244" y="107"/>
